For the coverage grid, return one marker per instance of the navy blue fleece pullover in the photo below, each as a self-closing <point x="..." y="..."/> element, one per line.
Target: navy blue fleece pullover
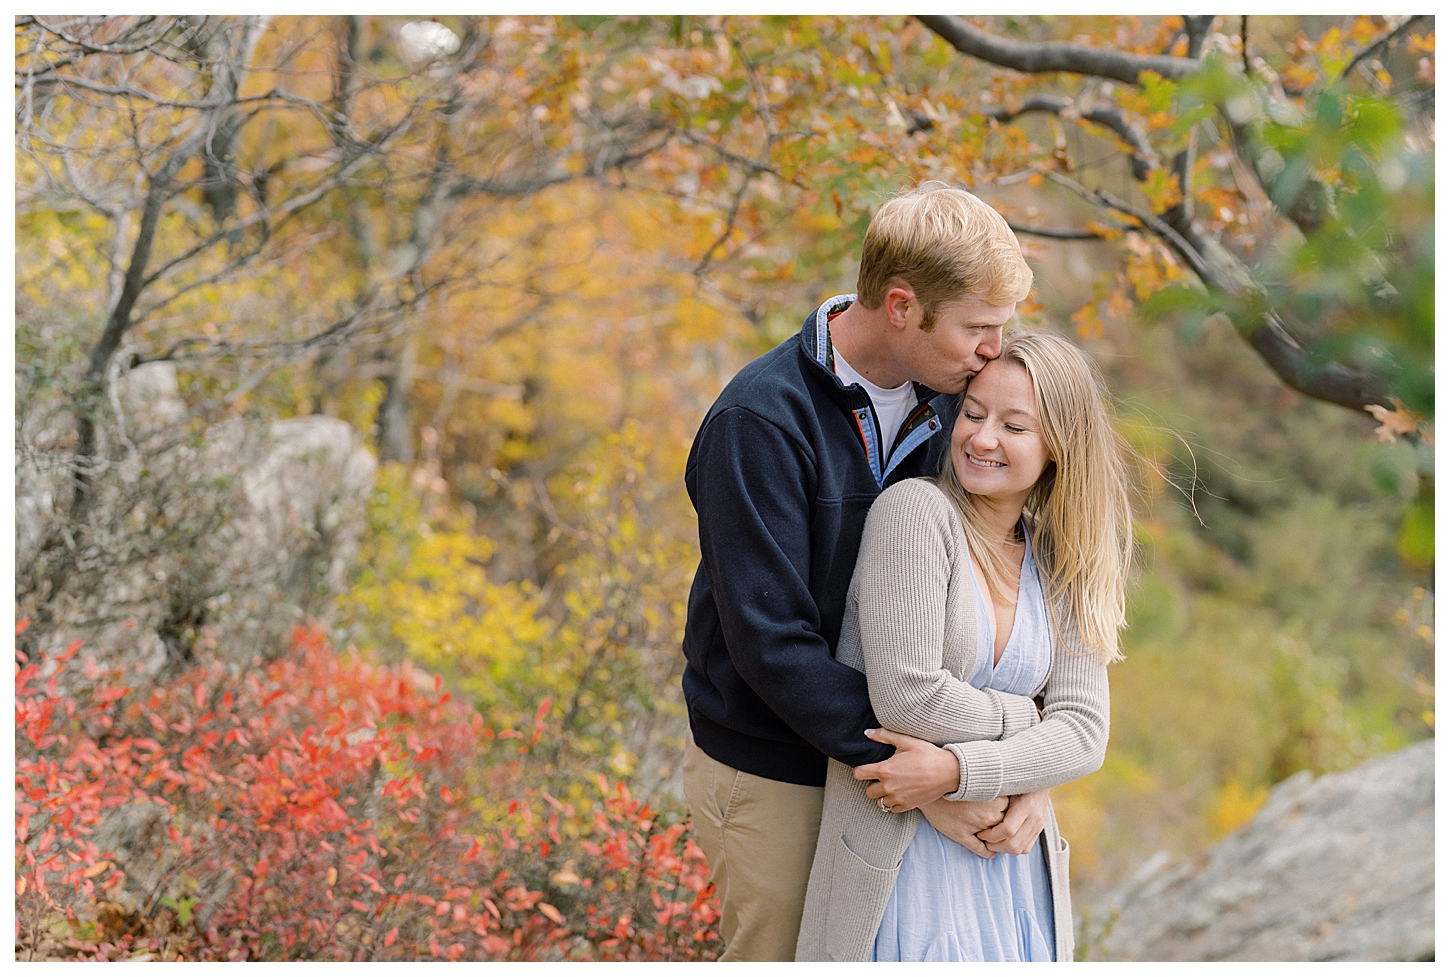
<point x="782" y="472"/>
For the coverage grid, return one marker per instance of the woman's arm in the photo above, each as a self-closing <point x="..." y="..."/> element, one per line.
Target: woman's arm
<point x="999" y="746"/>
<point x="1069" y="743"/>
<point x="902" y="570"/>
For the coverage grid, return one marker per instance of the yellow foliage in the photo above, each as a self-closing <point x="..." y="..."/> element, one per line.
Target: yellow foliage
<point x="604" y="644"/>
<point x="1162" y="190"/>
<point x="1234" y="805"/>
<point x="423" y="592"/>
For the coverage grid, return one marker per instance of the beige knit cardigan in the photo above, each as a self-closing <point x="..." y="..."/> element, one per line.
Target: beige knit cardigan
<point x="911" y="626"/>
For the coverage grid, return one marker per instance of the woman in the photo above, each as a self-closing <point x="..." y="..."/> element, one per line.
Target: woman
<point x="998" y="581"/>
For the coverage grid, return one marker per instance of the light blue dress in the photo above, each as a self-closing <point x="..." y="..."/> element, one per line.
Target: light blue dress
<point x="949" y="904"/>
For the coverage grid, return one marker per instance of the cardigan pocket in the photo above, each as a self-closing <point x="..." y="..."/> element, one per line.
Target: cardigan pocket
<point x="859" y="893"/>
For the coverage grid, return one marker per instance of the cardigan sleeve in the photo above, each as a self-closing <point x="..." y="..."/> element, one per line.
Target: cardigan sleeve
<point x="1070" y="742"/>
<point x="905" y="561"/>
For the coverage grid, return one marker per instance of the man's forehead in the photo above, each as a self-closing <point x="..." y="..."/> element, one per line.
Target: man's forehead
<point x="977" y="312"/>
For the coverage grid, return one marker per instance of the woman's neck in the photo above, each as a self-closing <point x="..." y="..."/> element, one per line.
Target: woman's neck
<point x="1000" y="517"/>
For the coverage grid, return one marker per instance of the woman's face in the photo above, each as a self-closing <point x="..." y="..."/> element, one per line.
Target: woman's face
<point x="998" y="450"/>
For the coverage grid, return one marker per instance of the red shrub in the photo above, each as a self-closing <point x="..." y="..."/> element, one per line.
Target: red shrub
<point x="320" y="807"/>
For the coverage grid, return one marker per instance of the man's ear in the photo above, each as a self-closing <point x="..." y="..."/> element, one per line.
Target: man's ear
<point x="900" y="301"/>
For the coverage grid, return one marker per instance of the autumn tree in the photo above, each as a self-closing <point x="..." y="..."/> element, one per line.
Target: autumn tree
<point x="246" y="199"/>
<point x="1295" y="186"/>
<point x="1239" y="168"/>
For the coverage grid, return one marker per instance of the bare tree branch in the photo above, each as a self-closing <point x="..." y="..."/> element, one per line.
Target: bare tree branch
<point x="1143" y="159"/>
<point x="1262" y="326"/>
<point x="1376" y="48"/>
<point x="1267" y="334"/>
<point x="1035" y="57"/>
<point x="1058" y="235"/>
<point x="112" y="48"/>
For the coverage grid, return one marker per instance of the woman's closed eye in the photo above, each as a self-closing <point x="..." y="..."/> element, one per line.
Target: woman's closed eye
<point x="978" y="418"/>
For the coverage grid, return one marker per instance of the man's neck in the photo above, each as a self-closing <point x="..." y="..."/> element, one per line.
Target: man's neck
<point x="862" y="336"/>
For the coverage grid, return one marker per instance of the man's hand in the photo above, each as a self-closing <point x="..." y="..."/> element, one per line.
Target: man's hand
<point x="961" y="820"/>
<point x="1016" y="833"/>
<point x="917" y="774"/>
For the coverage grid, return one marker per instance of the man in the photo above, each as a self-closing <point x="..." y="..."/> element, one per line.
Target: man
<point x="782" y="473"/>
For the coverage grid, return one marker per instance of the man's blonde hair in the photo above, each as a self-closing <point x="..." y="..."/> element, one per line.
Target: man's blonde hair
<point x="947" y="245"/>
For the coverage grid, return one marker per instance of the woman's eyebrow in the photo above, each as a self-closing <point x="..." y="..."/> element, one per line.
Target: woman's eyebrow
<point x="1010" y="410"/>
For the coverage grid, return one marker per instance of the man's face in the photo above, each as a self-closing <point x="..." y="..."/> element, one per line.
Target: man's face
<point x="968" y="333"/>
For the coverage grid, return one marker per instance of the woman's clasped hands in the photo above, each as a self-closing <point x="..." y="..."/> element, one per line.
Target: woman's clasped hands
<point x="920" y="773"/>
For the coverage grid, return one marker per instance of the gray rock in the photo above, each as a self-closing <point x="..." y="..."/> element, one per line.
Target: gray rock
<point x="315" y="478"/>
<point x="238" y="529"/>
<point x="1336" y="868"/>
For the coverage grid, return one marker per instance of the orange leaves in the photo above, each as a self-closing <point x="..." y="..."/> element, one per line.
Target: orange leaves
<point x="284" y="838"/>
<point x="1401" y="420"/>
<point x="1162" y="190"/>
<point x="1148" y="267"/>
<point x="1107" y="232"/>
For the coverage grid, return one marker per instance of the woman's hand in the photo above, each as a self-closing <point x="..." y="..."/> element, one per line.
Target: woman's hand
<point x="917" y="774"/>
<point x="961" y="820"/>
<point x="1017" y="832"/>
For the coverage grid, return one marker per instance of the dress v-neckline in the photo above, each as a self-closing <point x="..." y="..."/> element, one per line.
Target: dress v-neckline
<point x="993" y="661"/>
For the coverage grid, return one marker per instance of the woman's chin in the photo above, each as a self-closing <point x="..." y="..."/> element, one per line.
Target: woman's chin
<point x="984" y="486"/>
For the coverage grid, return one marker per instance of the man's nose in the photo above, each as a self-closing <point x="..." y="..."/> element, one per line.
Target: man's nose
<point x="991" y="345"/>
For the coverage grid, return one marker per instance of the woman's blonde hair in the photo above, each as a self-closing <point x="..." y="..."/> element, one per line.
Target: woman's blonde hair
<point x="947" y="245"/>
<point x="1079" y="512"/>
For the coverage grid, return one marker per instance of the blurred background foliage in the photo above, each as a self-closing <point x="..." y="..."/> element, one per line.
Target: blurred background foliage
<point x="522" y="255"/>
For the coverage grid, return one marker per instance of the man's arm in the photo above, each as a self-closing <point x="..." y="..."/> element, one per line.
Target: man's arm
<point x="753" y="492"/>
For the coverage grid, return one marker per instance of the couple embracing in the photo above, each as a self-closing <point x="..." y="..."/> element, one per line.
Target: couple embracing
<point x="914" y="538"/>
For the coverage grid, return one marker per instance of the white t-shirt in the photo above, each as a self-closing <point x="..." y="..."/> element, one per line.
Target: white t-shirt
<point x="892" y="405"/>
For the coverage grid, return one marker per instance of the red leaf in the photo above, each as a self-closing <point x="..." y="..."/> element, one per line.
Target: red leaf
<point x="391" y="938"/>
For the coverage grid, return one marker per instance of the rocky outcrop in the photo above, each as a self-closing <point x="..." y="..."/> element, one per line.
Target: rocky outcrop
<point x="1341" y="867"/>
<point x="231" y="533"/>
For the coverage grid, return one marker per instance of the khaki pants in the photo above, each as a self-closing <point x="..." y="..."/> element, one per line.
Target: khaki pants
<point x="759" y="837"/>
